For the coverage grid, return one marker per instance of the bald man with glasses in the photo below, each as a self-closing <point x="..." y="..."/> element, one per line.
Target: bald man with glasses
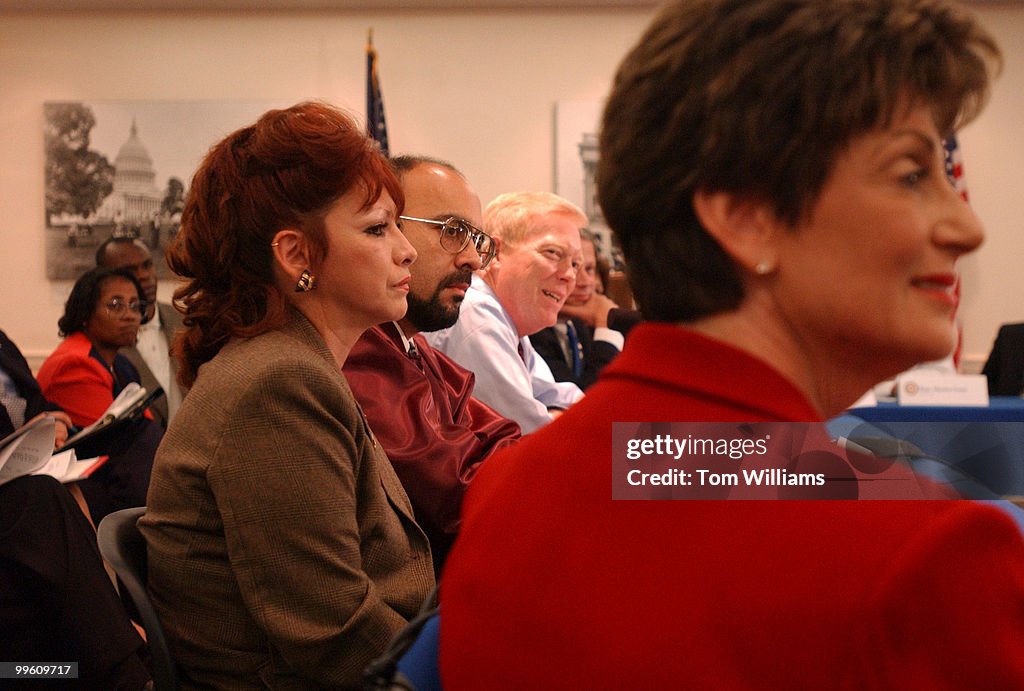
<point x="419" y="402"/>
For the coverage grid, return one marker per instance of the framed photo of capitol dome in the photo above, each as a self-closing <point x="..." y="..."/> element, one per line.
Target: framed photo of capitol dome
<point x="123" y="168"/>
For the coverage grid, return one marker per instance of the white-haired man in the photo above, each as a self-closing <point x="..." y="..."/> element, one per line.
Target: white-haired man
<point x="519" y="293"/>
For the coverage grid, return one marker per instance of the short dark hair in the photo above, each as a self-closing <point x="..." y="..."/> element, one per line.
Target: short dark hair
<point x="283" y="171"/>
<point x="757" y="98"/>
<point x="81" y="303"/>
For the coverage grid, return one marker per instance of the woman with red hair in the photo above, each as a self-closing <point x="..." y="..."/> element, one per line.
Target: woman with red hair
<point x="283" y="552"/>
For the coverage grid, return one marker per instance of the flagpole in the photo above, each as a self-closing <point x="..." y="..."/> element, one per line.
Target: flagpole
<point x="376" y="126"/>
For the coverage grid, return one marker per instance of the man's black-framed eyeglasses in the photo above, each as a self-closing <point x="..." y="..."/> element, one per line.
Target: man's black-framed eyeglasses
<point x="457" y="233"/>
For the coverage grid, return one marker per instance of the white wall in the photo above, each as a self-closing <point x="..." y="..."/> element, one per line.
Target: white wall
<point x="476" y="87"/>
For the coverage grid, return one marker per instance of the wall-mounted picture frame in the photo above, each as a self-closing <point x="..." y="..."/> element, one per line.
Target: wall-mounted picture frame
<point x="124" y="168"/>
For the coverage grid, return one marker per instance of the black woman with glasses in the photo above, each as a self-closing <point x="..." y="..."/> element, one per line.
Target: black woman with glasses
<point x="418" y="401"/>
<point x="86" y="372"/>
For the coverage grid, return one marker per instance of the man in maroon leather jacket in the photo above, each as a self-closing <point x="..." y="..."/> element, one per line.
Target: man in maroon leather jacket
<point x="418" y="401"/>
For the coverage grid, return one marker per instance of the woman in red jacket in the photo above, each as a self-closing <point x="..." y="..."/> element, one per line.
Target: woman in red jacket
<point x="85" y="372"/>
<point x="774" y="172"/>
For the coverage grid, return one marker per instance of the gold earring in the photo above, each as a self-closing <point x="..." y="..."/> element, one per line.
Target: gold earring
<point x="306" y="282"/>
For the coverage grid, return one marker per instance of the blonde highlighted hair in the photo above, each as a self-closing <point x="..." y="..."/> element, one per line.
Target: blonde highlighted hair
<point x="516" y="216"/>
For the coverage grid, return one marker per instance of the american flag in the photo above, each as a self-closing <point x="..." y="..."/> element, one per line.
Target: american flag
<point x="955" y="173"/>
<point x="376" y="126"/>
<point x="954" y="165"/>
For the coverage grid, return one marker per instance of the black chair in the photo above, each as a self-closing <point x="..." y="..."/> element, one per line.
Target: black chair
<point x="410" y="662"/>
<point x="124" y="548"/>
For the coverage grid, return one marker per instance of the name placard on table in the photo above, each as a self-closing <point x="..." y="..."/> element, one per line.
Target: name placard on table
<point x="923" y="388"/>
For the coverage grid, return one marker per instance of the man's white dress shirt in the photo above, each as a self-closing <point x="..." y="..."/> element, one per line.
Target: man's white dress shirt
<point x="484" y="340"/>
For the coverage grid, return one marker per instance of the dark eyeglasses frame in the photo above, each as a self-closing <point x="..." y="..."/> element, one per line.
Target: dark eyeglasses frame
<point x="453" y="227"/>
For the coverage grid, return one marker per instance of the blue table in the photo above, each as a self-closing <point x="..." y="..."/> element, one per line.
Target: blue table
<point x="999" y="409"/>
<point x="986" y="444"/>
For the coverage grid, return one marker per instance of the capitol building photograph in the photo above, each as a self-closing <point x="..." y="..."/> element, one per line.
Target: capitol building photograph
<point x="122" y="168"/>
<point x="136" y="205"/>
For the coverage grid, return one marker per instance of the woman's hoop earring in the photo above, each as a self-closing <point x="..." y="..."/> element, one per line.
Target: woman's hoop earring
<point x="306" y="282"/>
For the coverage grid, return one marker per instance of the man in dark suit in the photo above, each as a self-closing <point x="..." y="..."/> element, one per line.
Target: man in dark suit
<point x="581" y="342"/>
<point x="1005" y="365"/>
<point x="151" y="354"/>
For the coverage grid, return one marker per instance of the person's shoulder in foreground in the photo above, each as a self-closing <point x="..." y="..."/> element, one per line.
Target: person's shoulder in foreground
<point x="57" y="603"/>
<point x="782" y="207"/>
<point x="723" y="594"/>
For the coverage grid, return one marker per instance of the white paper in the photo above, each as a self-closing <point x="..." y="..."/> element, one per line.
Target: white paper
<point x="26" y="452"/>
